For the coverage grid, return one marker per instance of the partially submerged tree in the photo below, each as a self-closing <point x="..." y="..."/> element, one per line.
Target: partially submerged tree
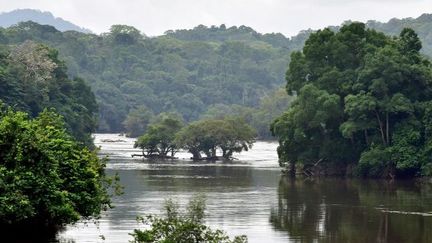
<point x="159" y="139"/>
<point x="207" y="136"/>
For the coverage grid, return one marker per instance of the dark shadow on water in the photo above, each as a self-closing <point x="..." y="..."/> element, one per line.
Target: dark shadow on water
<point x="31" y="234"/>
<point x="334" y="210"/>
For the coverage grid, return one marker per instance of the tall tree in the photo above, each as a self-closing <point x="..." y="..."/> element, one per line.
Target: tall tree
<point x="360" y="101"/>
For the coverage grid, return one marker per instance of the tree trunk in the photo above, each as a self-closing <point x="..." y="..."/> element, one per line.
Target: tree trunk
<point x="195" y="154"/>
<point x="366" y="137"/>
<point x="387" y="129"/>
<point x="381" y="129"/>
<point x="292" y="171"/>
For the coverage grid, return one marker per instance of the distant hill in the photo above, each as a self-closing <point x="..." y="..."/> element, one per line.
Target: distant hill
<point x="22" y="15"/>
<point x="422" y="25"/>
<point x="183" y="71"/>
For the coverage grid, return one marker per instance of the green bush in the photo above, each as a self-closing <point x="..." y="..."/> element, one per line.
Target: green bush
<point x="181" y="227"/>
<point x="47" y="179"/>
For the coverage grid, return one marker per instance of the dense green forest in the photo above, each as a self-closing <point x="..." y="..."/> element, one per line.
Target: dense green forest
<point x="47" y="179"/>
<point x="127" y="69"/>
<point x="33" y="78"/>
<point x="363" y="102"/>
<point x="191" y="72"/>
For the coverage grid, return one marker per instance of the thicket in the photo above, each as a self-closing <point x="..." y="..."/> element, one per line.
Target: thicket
<point x="47" y="179"/>
<point x="364" y="100"/>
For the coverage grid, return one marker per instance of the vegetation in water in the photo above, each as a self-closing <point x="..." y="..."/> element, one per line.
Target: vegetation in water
<point x="165" y="137"/>
<point x="181" y="227"/>
<point x="47" y="179"/>
<point x="363" y="100"/>
<point x="230" y="135"/>
<point x="159" y="139"/>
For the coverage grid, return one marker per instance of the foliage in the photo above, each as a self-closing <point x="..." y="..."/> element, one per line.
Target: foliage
<point x="168" y="73"/>
<point x="159" y="138"/>
<point x="181" y="227"/>
<point x="270" y="107"/>
<point x="137" y="120"/>
<point x="230" y="135"/>
<point x="47" y="180"/>
<point x="361" y="99"/>
<point x="185" y="71"/>
<point x="32" y="78"/>
<point x="421" y="25"/>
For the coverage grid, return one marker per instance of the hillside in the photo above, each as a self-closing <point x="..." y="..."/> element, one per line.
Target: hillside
<point x="22" y="15"/>
<point x="127" y="70"/>
<point x="182" y="71"/>
<point x="422" y="25"/>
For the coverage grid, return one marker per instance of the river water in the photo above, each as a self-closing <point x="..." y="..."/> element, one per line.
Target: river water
<point x="250" y="196"/>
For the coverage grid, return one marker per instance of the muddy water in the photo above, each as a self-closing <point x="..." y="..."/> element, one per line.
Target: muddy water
<point x="250" y="196"/>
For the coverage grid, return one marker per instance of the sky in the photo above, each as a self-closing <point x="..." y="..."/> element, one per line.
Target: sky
<point x="154" y="17"/>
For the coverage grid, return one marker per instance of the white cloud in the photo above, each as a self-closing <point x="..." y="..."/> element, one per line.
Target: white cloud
<point x="154" y="17"/>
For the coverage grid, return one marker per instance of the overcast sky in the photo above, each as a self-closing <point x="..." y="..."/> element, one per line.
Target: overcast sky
<point x="153" y="17"/>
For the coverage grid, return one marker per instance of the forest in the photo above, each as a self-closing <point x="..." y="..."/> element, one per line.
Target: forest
<point x="184" y="71"/>
<point x="363" y="105"/>
<point x="347" y="101"/>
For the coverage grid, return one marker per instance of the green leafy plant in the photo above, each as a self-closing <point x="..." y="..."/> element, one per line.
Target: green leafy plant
<point x="181" y="227"/>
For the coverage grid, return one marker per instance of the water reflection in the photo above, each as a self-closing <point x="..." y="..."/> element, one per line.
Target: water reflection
<point x="244" y="194"/>
<point x="353" y="211"/>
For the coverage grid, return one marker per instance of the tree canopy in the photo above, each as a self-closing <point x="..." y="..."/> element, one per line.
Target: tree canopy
<point x="230" y="135"/>
<point x="159" y="138"/>
<point x="169" y="73"/>
<point x="362" y="100"/>
<point x="33" y="78"/>
<point x="47" y="180"/>
<point x="178" y="226"/>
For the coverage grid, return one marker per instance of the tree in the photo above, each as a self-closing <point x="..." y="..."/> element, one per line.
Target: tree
<point x="240" y="137"/>
<point x="36" y="79"/>
<point x="207" y="136"/>
<point x="47" y="180"/>
<point x="181" y="227"/>
<point x="361" y="100"/>
<point x="159" y="138"/>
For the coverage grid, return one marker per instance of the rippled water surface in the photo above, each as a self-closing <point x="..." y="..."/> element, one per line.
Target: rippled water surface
<point x="250" y="196"/>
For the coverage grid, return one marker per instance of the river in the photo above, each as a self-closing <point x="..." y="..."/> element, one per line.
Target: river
<point x="250" y="196"/>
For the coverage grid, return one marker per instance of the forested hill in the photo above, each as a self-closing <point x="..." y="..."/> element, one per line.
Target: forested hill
<point x="242" y="33"/>
<point x="183" y="71"/>
<point x="128" y="70"/>
<point x="422" y="26"/>
<point x="21" y="15"/>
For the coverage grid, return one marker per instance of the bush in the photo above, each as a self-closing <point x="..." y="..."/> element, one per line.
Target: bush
<point x="186" y="227"/>
<point x="47" y="180"/>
